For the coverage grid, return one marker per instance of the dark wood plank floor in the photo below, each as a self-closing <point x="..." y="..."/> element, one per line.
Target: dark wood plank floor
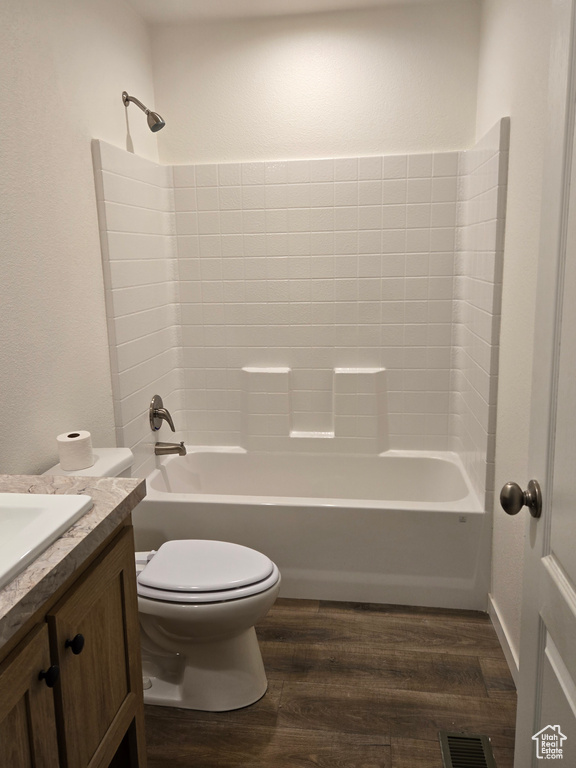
<point x="353" y="685"/>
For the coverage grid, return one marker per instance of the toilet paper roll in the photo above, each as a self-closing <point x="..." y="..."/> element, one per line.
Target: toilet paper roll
<point x="75" y="450"/>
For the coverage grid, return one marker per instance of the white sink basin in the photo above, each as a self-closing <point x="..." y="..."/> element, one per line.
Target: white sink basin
<point x="29" y="523"/>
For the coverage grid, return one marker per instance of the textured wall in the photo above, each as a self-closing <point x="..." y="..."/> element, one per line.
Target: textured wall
<point x="391" y="80"/>
<point x="64" y="65"/>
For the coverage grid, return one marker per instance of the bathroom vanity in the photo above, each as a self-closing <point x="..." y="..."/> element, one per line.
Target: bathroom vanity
<point x="70" y="668"/>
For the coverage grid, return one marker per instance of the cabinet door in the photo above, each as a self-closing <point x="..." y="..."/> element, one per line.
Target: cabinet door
<point x="99" y="698"/>
<point x="27" y="720"/>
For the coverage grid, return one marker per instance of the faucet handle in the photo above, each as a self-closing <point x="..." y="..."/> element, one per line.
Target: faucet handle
<point x="162" y="413"/>
<point x="158" y="414"/>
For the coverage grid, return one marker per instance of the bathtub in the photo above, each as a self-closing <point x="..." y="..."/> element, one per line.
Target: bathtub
<point x="403" y="527"/>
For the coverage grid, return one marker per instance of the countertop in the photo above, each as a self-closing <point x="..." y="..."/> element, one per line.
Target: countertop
<point x="114" y="498"/>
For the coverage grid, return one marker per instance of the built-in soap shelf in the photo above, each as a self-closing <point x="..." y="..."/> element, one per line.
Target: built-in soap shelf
<point x="359" y="413"/>
<point x="299" y="433"/>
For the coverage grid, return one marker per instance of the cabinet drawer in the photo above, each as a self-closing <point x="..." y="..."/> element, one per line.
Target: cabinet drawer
<point x="27" y="720"/>
<point x="94" y="633"/>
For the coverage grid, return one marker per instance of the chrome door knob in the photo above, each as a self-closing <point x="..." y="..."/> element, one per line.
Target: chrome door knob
<point x="513" y="498"/>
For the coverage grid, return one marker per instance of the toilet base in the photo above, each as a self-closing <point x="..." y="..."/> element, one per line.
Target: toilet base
<point x="217" y="676"/>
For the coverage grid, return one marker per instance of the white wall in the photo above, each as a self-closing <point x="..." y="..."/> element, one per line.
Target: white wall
<point x="64" y="65"/>
<point x="513" y="76"/>
<point x="393" y="80"/>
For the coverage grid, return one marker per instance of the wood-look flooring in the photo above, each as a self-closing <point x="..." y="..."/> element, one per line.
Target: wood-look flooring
<point x="353" y="685"/>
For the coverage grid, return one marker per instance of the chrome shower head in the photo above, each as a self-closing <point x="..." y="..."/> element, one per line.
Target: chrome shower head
<point x="155" y="122"/>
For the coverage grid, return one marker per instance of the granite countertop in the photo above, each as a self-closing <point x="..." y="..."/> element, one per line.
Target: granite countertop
<point x="114" y="498"/>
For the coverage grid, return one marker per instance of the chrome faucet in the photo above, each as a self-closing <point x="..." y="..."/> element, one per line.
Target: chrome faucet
<point x="158" y="414"/>
<point x="163" y="449"/>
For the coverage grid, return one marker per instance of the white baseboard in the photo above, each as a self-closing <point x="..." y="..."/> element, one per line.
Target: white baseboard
<point x="499" y="626"/>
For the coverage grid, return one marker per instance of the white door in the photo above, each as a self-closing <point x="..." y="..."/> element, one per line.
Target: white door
<point x="546" y="720"/>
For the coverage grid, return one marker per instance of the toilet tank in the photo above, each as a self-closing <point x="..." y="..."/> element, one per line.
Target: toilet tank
<point x="108" y="462"/>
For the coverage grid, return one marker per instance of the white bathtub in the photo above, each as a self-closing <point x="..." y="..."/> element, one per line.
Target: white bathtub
<point x="403" y="527"/>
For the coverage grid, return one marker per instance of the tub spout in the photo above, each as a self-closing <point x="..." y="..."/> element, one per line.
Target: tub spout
<point x="163" y="449"/>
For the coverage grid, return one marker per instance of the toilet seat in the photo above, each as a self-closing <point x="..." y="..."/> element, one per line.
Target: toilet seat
<point x="202" y="571"/>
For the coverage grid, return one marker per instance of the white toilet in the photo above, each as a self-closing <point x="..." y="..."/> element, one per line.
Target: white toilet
<point x="198" y="602"/>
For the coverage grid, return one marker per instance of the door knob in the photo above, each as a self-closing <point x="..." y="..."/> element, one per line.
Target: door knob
<point x="76" y="645"/>
<point x="513" y="498"/>
<point x="50" y="675"/>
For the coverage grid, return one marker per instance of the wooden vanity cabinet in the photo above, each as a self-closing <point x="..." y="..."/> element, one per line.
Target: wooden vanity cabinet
<point x="94" y="635"/>
<point x="93" y="716"/>
<point x="27" y="718"/>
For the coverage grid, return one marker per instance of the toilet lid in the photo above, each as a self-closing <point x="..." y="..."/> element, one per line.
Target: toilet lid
<point x="174" y="596"/>
<point x="198" y="565"/>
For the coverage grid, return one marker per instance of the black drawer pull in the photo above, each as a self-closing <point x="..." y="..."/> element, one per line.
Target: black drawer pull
<point x="76" y="645"/>
<point x="50" y="676"/>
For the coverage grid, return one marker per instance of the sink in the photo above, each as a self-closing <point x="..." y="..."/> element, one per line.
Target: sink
<point x="29" y="523"/>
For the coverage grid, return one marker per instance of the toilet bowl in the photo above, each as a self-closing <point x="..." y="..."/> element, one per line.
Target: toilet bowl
<point x="198" y="602"/>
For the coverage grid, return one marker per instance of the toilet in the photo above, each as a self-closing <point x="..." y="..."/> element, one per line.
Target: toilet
<point x="198" y="602"/>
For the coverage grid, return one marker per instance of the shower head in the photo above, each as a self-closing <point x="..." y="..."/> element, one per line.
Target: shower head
<point x="155" y="122"/>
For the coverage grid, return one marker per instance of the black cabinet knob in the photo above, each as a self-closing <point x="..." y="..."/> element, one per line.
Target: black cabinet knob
<point x="76" y="645"/>
<point x="50" y="676"/>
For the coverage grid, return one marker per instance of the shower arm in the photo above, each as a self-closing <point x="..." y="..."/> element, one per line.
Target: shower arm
<point x="127" y="99"/>
<point x="155" y="121"/>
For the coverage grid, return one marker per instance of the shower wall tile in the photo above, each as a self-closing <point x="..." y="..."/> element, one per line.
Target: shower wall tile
<point x="128" y="191"/>
<point x="480" y="235"/>
<point x="350" y="263"/>
<point x="266" y="406"/>
<point x="360" y="407"/>
<point x="316" y="265"/>
<point x="133" y="326"/>
<point x="125" y="246"/>
<point x="283" y="410"/>
<point x="138" y="236"/>
<point x="137" y="298"/>
<point x="126" y="164"/>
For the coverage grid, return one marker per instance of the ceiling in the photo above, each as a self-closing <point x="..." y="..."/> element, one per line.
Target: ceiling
<point x="169" y="11"/>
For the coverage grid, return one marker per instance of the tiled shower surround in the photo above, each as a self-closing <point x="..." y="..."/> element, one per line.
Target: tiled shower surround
<point x="372" y="274"/>
<point x="478" y="294"/>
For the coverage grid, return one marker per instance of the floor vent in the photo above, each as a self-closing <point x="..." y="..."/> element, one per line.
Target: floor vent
<point x="466" y="750"/>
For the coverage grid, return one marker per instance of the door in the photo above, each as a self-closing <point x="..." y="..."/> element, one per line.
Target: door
<point x="27" y="720"/>
<point x="95" y="635"/>
<point x="546" y="722"/>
